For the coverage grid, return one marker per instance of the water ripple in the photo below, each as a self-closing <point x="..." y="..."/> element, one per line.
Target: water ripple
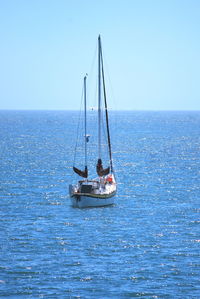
<point x="145" y="246"/>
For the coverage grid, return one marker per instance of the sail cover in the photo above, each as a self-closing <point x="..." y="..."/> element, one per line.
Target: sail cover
<point x="100" y="170"/>
<point x="83" y="173"/>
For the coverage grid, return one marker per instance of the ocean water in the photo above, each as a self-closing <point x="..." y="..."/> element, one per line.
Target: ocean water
<point x="145" y="246"/>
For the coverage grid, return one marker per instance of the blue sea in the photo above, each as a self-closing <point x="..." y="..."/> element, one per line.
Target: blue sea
<point x="145" y="246"/>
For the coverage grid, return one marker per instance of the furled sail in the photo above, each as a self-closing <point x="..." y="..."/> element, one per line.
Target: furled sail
<point x="83" y="173"/>
<point x="100" y="170"/>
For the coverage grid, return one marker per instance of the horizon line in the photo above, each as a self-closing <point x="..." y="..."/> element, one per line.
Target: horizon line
<point x="114" y="110"/>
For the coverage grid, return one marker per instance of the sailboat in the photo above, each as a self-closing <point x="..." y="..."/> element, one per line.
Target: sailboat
<point x="101" y="190"/>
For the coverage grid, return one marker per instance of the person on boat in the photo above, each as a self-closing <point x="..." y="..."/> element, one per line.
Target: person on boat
<point x="99" y="166"/>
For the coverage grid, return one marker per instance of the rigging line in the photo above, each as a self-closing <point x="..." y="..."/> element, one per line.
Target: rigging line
<point x="105" y="138"/>
<point x="78" y="126"/>
<point x="112" y="93"/>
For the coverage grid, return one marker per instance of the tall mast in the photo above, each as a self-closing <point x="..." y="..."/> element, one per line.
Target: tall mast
<point x="100" y="170"/>
<point x="85" y="108"/>
<point x="106" y="111"/>
<point x="99" y="97"/>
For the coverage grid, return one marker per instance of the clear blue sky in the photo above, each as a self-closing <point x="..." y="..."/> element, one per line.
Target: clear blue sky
<point x="152" y="51"/>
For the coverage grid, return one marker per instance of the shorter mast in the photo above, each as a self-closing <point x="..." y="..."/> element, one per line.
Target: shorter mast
<point x="85" y="108"/>
<point x="84" y="173"/>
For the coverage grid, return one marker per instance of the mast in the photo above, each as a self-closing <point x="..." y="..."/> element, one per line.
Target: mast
<point x="85" y="108"/>
<point x="84" y="173"/>
<point x="99" y="97"/>
<point x="100" y="170"/>
<point x="106" y="112"/>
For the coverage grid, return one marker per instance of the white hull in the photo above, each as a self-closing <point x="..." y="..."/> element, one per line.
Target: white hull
<point x="93" y="193"/>
<point x="87" y="201"/>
